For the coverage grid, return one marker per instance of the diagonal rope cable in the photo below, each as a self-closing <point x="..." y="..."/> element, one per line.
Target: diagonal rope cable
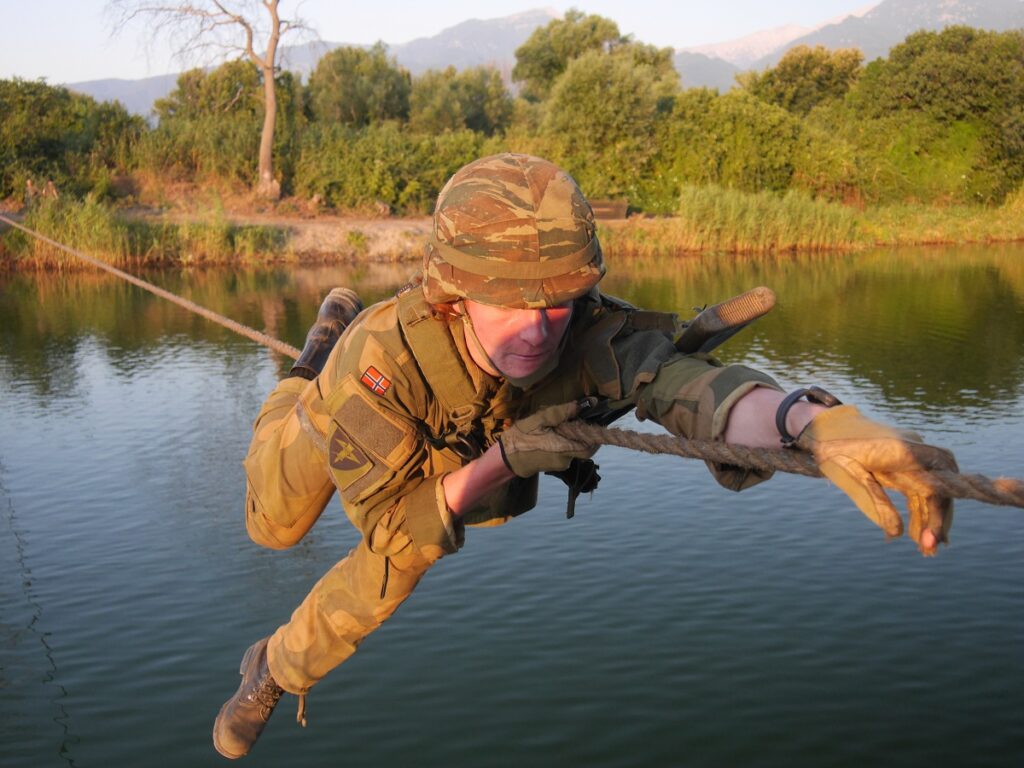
<point x="191" y="306"/>
<point x="1003" y="491"/>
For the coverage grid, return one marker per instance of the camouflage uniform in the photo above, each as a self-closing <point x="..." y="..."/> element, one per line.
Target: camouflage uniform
<point x="382" y="423"/>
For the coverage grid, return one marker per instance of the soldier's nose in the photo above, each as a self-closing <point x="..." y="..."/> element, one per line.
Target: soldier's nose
<point x="535" y="327"/>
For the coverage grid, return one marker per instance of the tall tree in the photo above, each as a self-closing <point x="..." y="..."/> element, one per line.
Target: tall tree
<point x="806" y="77"/>
<point x="475" y="98"/>
<point x="547" y="52"/>
<point x="233" y="28"/>
<point x="358" y="87"/>
<point x="602" y="114"/>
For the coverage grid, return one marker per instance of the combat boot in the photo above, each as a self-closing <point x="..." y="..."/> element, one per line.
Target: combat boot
<point x="242" y="718"/>
<point x="338" y="310"/>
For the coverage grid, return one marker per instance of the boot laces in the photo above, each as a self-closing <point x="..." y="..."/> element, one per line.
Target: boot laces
<point x="266" y="695"/>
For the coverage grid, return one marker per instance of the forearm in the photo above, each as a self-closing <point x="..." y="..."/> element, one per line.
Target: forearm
<point x="752" y="418"/>
<point x="469" y="484"/>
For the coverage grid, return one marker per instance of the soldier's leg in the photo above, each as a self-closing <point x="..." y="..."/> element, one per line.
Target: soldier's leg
<point x="338" y="310"/>
<point x="346" y="605"/>
<point x="288" y="484"/>
<point x="351" y="600"/>
<point x="287" y="480"/>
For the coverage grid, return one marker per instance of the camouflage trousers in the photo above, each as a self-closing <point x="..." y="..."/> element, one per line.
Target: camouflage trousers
<point x="288" y="488"/>
<point x="348" y="603"/>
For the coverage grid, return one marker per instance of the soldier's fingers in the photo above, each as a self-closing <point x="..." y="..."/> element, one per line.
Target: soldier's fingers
<point x="930" y="519"/>
<point x="865" y="491"/>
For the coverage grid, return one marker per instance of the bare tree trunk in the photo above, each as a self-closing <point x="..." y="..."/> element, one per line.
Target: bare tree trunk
<point x="268" y="187"/>
<point x="202" y="24"/>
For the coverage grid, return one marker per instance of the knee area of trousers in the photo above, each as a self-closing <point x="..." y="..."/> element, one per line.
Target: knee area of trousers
<point x="264" y="532"/>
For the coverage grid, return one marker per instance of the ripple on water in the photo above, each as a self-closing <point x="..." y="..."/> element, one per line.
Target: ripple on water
<point x="670" y="622"/>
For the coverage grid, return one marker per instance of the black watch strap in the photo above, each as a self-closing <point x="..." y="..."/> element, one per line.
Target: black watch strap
<point x="813" y="395"/>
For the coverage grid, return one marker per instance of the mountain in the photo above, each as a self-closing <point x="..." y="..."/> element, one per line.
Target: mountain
<point x="472" y="43"/>
<point x="137" y="96"/>
<point x="699" y="71"/>
<point x="744" y="51"/>
<point x="477" y="42"/>
<point x="873" y="29"/>
<point x="889" y="23"/>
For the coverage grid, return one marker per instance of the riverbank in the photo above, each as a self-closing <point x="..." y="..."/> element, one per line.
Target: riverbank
<point x="710" y="220"/>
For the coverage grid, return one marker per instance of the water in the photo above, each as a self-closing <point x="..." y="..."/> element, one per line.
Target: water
<point x="670" y="623"/>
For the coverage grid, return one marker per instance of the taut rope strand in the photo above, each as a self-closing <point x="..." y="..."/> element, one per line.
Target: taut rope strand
<point x="1004" y="491"/>
<point x="227" y="322"/>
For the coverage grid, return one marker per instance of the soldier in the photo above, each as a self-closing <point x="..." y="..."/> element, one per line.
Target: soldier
<point x="436" y="409"/>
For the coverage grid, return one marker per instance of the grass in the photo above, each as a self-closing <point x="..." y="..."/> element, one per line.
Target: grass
<point x="103" y="233"/>
<point x="709" y="219"/>
<point x="712" y="218"/>
<point x="358" y="240"/>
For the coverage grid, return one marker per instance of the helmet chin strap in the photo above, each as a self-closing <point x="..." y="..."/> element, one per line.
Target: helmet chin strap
<point x="480" y="354"/>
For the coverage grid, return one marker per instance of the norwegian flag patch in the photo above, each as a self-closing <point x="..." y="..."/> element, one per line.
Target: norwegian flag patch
<point x="375" y="381"/>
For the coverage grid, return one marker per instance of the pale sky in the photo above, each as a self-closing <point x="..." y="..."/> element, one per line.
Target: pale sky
<point x="66" y="41"/>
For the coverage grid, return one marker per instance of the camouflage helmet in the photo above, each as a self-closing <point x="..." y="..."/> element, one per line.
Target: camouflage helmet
<point x="511" y="231"/>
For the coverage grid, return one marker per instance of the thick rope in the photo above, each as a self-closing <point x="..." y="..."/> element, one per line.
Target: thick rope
<point x="1004" y="491"/>
<point x="227" y="322"/>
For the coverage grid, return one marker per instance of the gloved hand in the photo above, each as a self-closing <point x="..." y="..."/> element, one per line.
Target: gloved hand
<point x="862" y="456"/>
<point x="531" y="445"/>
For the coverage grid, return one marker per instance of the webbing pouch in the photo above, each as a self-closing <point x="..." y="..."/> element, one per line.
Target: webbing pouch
<point x="434" y="350"/>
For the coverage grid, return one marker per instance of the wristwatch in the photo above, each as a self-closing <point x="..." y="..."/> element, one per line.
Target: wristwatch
<point x="813" y="395"/>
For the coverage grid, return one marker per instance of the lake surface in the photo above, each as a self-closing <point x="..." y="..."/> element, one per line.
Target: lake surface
<point x="669" y="623"/>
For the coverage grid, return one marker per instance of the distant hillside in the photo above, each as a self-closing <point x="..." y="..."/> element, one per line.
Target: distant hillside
<point x="137" y="96"/>
<point x="699" y="71"/>
<point x="744" y="51"/>
<point x="472" y="43"/>
<point x="494" y="41"/>
<point x="889" y="23"/>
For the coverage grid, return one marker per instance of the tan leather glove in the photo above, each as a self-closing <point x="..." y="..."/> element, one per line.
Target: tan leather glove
<point x="531" y="445"/>
<point x="863" y="457"/>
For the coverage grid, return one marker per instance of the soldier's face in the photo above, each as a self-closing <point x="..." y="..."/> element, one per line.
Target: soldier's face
<point x="518" y="341"/>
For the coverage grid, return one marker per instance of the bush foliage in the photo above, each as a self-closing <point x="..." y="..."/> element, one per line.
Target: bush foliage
<point x="940" y="121"/>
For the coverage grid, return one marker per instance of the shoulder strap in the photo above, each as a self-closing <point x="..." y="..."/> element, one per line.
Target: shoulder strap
<point x="645" y="319"/>
<point x="432" y="347"/>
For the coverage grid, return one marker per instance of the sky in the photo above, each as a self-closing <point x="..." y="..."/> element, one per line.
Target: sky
<point x="68" y="41"/>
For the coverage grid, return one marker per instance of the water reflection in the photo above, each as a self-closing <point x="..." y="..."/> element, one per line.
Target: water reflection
<point x="668" y="618"/>
<point x="930" y="328"/>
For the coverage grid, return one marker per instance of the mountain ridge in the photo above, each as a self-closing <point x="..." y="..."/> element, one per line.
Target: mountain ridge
<point x="874" y="29"/>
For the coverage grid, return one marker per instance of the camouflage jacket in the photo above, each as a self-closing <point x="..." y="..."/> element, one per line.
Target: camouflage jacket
<point x="374" y="423"/>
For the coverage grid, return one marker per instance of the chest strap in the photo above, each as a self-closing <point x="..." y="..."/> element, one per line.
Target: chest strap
<point x="439" y="359"/>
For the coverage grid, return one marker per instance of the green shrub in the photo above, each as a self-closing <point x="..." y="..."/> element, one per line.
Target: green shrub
<point x="350" y="169"/>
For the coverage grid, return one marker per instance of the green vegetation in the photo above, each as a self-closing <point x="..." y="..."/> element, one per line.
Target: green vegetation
<point x="806" y="77"/>
<point x="52" y="134"/>
<point x="713" y="218"/>
<point x="101" y="232"/>
<point x="356" y="87"/>
<point x="474" y="99"/>
<point x="817" y="152"/>
<point x="549" y="50"/>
